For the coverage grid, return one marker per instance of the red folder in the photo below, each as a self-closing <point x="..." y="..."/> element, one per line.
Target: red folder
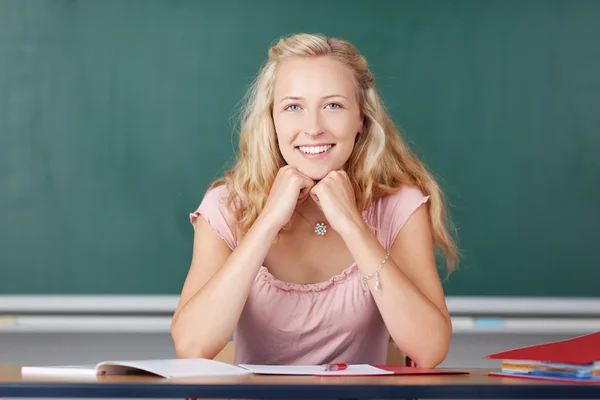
<point x="579" y="350"/>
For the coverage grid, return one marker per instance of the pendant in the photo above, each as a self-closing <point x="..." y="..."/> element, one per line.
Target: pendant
<point x="320" y="228"/>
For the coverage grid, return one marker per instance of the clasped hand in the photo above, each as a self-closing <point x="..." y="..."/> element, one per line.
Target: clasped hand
<point x="333" y="194"/>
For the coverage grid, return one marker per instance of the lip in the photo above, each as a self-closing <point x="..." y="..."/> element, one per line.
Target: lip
<point x="315" y="145"/>
<point x="318" y="156"/>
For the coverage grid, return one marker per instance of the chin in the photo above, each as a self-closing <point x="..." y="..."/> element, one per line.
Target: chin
<point x="315" y="175"/>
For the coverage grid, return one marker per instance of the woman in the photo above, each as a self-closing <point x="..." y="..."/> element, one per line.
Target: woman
<point x="318" y="245"/>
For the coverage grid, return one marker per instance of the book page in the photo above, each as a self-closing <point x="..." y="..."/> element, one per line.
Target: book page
<point x="356" y="369"/>
<point x="59" y="370"/>
<point x="173" y="368"/>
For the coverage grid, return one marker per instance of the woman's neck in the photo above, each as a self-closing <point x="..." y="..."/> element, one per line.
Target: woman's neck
<point x="311" y="211"/>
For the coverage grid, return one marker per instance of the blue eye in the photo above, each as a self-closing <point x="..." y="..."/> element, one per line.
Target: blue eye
<point x="333" y="105"/>
<point x="293" y="107"/>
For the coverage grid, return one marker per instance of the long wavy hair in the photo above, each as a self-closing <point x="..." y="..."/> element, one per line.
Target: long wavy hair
<point x="379" y="165"/>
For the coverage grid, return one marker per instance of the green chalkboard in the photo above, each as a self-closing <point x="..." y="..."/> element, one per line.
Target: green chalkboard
<point x="116" y="115"/>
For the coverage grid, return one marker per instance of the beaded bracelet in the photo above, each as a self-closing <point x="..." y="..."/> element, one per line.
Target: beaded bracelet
<point x="374" y="274"/>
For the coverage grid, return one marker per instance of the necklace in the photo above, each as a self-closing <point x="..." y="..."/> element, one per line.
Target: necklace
<point x="320" y="228"/>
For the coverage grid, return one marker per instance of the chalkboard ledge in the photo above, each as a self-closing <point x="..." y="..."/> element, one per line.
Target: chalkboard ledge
<point x="166" y="304"/>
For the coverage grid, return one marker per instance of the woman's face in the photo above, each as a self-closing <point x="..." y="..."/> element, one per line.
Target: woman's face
<point x="316" y="114"/>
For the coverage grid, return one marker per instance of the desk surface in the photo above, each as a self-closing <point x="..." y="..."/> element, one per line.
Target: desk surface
<point x="475" y="385"/>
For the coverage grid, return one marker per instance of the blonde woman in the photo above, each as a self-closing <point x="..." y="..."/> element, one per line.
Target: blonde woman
<point x="318" y="245"/>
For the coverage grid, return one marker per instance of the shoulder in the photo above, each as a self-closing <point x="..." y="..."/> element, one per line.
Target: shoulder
<point x="393" y="210"/>
<point x="217" y="196"/>
<point x="213" y="208"/>
<point x="405" y="198"/>
<point x="214" y="201"/>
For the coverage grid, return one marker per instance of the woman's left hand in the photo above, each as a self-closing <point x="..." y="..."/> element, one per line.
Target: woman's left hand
<point x="335" y="196"/>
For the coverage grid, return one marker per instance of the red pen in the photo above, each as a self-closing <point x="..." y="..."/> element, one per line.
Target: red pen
<point x="334" y="367"/>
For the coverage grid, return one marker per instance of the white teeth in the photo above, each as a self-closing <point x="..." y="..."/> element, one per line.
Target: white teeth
<point x="315" y="149"/>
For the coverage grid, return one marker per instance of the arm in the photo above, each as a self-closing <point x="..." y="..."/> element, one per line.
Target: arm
<point x="216" y="289"/>
<point x="411" y="298"/>
<point x="219" y="280"/>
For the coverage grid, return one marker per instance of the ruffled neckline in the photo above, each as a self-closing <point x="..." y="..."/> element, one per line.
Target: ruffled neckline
<point x="265" y="275"/>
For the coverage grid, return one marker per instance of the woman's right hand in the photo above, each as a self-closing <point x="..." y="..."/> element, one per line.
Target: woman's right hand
<point x="291" y="187"/>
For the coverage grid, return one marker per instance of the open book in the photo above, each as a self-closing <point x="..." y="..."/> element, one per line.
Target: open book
<point x="199" y="367"/>
<point x="175" y="368"/>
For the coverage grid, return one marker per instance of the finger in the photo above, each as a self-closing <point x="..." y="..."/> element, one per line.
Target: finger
<point x="344" y="175"/>
<point x="284" y="169"/>
<point x="306" y="184"/>
<point x="304" y="194"/>
<point x="315" y="198"/>
<point x="304" y="177"/>
<point x="314" y="194"/>
<point x="333" y="174"/>
<point x="302" y="200"/>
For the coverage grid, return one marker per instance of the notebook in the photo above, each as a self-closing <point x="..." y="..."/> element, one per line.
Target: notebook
<point x="548" y="377"/>
<point x="575" y="360"/>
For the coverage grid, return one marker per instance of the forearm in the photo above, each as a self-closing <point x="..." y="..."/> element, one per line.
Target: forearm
<point x="417" y="325"/>
<point x="207" y="321"/>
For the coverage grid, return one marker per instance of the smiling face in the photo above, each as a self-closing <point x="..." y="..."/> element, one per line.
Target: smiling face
<point x="316" y="114"/>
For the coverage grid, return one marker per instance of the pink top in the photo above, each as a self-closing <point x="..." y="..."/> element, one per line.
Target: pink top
<point x="327" y="322"/>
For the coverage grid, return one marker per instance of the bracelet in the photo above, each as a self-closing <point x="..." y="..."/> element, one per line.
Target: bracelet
<point x="374" y="274"/>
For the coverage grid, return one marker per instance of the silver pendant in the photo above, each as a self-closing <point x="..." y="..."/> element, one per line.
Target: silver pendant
<point x="320" y="228"/>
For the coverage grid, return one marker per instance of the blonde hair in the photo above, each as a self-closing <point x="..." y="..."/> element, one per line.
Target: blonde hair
<point x="380" y="163"/>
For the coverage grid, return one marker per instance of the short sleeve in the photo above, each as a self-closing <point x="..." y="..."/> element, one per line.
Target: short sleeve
<point x="213" y="209"/>
<point x="397" y="209"/>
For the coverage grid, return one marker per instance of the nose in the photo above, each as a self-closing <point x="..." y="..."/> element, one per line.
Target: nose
<point x="313" y="124"/>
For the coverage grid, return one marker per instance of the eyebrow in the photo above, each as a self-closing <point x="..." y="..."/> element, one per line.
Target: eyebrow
<point x="322" y="98"/>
